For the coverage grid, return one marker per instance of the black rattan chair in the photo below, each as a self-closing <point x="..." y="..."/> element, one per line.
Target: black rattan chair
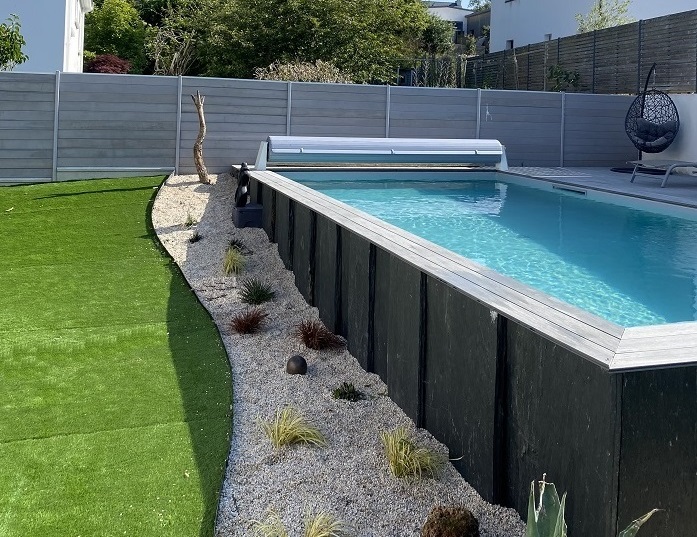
<point x="652" y="122"/>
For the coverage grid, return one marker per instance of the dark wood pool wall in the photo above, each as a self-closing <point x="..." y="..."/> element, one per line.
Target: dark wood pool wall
<point x="509" y="403"/>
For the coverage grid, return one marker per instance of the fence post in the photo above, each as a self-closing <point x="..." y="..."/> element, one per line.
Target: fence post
<point x="479" y="111"/>
<point x="289" y="105"/>
<point x="595" y="36"/>
<point x="638" y="61"/>
<point x="563" y="128"/>
<point x="56" y="108"/>
<point x="387" y="111"/>
<point x="503" y="70"/>
<point x="527" y="76"/>
<point x="177" y="151"/>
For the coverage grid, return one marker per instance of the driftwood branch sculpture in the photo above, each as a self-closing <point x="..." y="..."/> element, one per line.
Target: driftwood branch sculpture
<point x="198" y="145"/>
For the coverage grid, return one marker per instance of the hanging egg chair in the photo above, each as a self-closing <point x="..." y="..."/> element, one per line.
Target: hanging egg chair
<point x="652" y="122"/>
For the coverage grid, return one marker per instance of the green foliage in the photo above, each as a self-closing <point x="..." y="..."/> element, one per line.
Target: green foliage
<point x="324" y="525"/>
<point x="406" y="459"/>
<point x="604" y="14"/>
<point x="479" y="5"/>
<point x="115" y="27"/>
<point x="454" y="521"/>
<point x="171" y="45"/>
<point x="289" y="427"/>
<point x="11" y="43"/>
<point x="547" y="519"/>
<point x="254" y="291"/>
<point x="347" y="391"/>
<point x="562" y="79"/>
<point x="317" y="71"/>
<point x="437" y="36"/>
<point x="234" y="261"/>
<point x="271" y="526"/>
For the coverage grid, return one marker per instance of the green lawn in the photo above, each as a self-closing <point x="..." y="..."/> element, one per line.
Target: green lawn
<point x="114" y="385"/>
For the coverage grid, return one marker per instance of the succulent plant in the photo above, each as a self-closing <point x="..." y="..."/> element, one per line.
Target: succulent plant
<point x="347" y="391"/>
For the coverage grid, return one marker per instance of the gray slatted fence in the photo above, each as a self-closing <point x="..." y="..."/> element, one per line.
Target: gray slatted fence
<point x="114" y="125"/>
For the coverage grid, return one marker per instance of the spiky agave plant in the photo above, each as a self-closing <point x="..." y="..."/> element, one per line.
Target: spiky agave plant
<point x="288" y="426"/>
<point x="406" y="459"/>
<point x="547" y="518"/>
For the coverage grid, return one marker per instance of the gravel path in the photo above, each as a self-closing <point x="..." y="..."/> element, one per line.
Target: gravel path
<point x="349" y="478"/>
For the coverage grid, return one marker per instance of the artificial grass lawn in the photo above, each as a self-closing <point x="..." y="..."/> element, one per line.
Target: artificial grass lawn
<point x="115" y="387"/>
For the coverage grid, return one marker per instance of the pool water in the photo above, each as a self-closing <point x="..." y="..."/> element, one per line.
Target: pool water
<point x="631" y="267"/>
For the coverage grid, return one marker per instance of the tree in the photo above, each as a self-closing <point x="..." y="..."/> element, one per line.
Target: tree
<point x="360" y="37"/>
<point x="115" y="27"/>
<point x="11" y="43"/>
<point x="604" y="14"/>
<point x="480" y="5"/>
<point x="437" y="36"/>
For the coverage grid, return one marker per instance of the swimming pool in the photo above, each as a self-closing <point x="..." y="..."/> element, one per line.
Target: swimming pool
<point x="629" y="266"/>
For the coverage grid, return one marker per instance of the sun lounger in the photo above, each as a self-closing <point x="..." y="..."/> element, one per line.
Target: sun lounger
<point x="667" y="165"/>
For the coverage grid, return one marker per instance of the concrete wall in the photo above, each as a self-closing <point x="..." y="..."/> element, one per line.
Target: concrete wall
<point x="509" y="403"/>
<point x="109" y="125"/>
<point x="529" y="21"/>
<point x="53" y="30"/>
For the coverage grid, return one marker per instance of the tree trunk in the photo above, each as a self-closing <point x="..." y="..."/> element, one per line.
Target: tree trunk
<point x="198" y="146"/>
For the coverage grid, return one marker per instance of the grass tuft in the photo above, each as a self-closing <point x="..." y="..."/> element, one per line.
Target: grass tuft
<point x="316" y="336"/>
<point x="234" y="261"/>
<point x="289" y="427"/>
<point x="248" y="321"/>
<point x="348" y="392"/>
<point x="254" y="291"/>
<point x="406" y="459"/>
<point x="324" y="525"/>
<point x="239" y="245"/>
<point x="271" y="526"/>
<point x="195" y="237"/>
<point x="190" y="221"/>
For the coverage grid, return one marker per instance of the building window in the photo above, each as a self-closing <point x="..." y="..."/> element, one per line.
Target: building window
<point x="509" y="44"/>
<point x="548" y="37"/>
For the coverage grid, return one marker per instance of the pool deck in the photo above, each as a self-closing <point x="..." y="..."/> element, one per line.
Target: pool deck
<point x="680" y="189"/>
<point x="609" y="345"/>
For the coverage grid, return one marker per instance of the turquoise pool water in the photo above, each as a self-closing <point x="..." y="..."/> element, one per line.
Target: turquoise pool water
<point x="629" y="266"/>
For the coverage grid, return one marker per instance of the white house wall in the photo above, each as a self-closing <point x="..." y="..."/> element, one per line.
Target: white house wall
<point x="54" y="40"/>
<point x="529" y="21"/>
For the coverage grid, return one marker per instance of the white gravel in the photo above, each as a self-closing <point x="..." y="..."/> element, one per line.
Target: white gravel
<point x="349" y="478"/>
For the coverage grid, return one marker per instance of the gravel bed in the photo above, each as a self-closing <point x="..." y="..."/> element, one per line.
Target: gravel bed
<point x="350" y="477"/>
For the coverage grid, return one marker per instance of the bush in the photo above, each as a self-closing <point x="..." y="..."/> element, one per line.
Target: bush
<point x="324" y="525"/>
<point x="108" y="63"/>
<point x="234" y="261"/>
<point x="318" y="71"/>
<point x="450" y="522"/>
<point x="348" y="392"/>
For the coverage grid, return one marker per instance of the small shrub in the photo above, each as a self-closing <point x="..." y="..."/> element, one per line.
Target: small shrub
<point x="316" y="336"/>
<point x="271" y="526"/>
<point x="254" y="291"/>
<point x="108" y="63"/>
<point x="190" y="221"/>
<point x="195" y="237"/>
<point x="408" y="460"/>
<point x="248" y="321"/>
<point x="450" y="522"/>
<point x="348" y="392"/>
<point x="289" y="427"/>
<point x="234" y="261"/>
<point x="324" y="525"/>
